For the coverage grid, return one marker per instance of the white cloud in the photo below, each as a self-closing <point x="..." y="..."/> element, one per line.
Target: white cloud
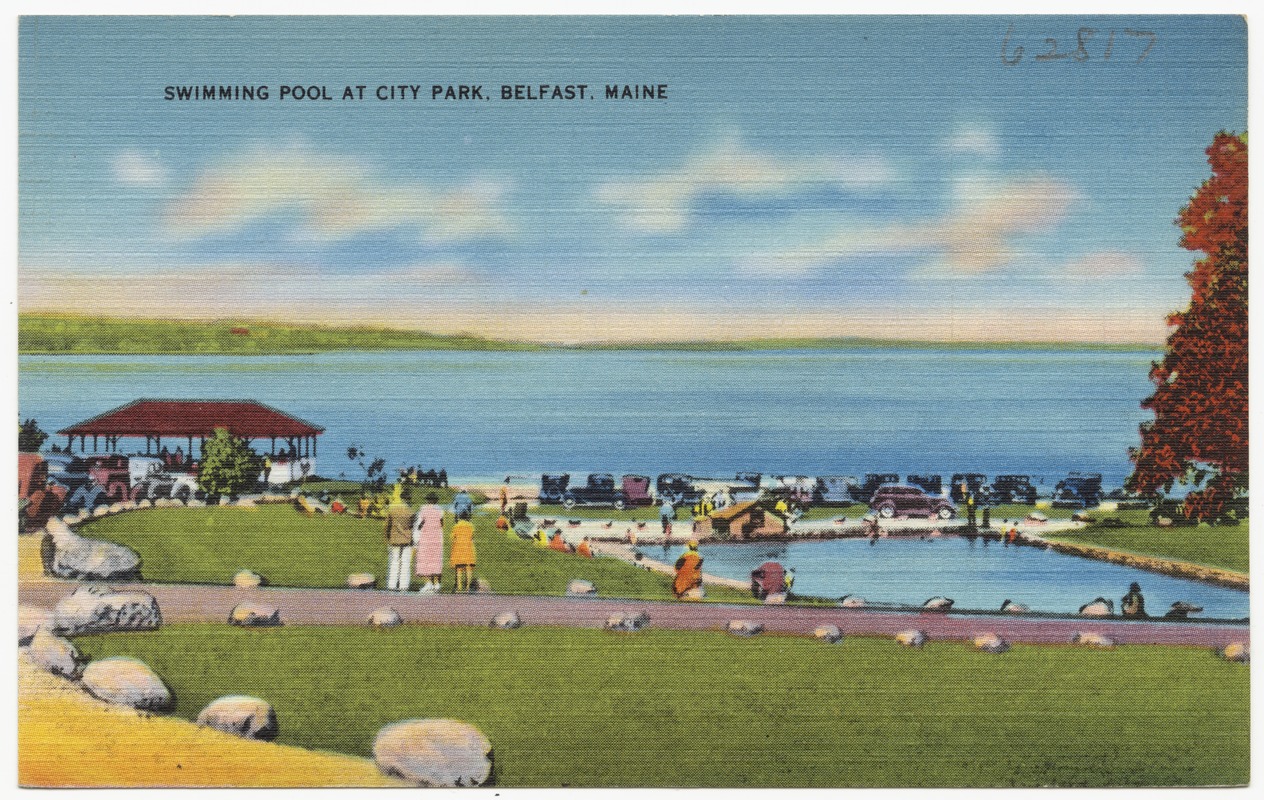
<point x="335" y="198"/>
<point x="133" y="168"/>
<point x="974" y="140"/>
<point x="1105" y="264"/>
<point x="662" y="203"/>
<point x="977" y="234"/>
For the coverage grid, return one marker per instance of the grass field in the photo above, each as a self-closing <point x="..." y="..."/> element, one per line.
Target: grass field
<point x="1222" y="547"/>
<point x="210" y="545"/>
<point x="583" y="707"/>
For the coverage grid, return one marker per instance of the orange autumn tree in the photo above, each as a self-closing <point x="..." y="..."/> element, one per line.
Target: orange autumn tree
<point x="1199" y="432"/>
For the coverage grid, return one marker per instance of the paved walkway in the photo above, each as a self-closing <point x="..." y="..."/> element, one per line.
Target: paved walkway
<point x="193" y="603"/>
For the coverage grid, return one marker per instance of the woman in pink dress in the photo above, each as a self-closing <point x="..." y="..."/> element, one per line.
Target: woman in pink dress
<point x="428" y="539"/>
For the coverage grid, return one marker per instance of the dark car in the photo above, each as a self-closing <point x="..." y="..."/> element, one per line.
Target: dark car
<point x="1078" y="490"/>
<point x="600" y="490"/>
<point x="796" y="489"/>
<point x="967" y="483"/>
<point x="553" y="487"/>
<point x="909" y="501"/>
<point x="834" y="490"/>
<point x="678" y="489"/>
<point x="864" y="492"/>
<point x="746" y="486"/>
<point x="636" y="490"/>
<point x="1013" y="489"/>
<point x="931" y="484"/>
<point x="73" y="475"/>
<point x="1128" y="501"/>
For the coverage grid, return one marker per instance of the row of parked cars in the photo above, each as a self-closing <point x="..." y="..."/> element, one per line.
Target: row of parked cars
<point x="886" y="493"/>
<point x="63" y="483"/>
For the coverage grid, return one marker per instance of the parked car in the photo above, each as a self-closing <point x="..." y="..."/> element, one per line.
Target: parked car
<point x="871" y="483"/>
<point x="150" y="480"/>
<point x="553" y="487"/>
<point x="600" y="490"/>
<point x="677" y="488"/>
<point x="797" y="489"/>
<point x="38" y="499"/>
<point x="71" y="473"/>
<point x="1013" y="489"/>
<point x="636" y="490"/>
<point x="834" y="490"/>
<point x="964" y="483"/>
<point x="909" y="501"/>
<point x="1125" y="500"/>
<point x="110" y="473"/>
<point x="1078" y="490"/>
<point x="746" y="486"/>
<point x="931" y="484"/>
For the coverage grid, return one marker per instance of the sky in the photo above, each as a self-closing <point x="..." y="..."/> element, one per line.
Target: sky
<point x="910" y="177"/>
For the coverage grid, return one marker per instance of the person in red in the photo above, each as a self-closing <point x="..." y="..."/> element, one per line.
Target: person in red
<point x="584" y="549"/>
<point x="559" y="544"/>
<point x="688" y="570"/>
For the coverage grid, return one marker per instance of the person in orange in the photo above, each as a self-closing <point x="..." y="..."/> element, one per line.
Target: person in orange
<point x="559" y="544"/>
<point x="504" y="497"/>
<point x="584" y="549"/>
<point x="688" y="570"/>
<point x="463" y="558"/>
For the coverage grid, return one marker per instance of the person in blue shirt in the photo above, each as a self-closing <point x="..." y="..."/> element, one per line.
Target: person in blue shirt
<point x="462" y="505"/>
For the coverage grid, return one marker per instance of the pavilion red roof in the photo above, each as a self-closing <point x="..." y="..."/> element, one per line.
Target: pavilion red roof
<point x="246" y="418"/>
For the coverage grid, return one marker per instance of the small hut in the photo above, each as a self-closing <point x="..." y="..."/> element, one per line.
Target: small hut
<point x="747" y="520"/>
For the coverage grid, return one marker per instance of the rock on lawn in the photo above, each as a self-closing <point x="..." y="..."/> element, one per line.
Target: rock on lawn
<point x="100" y="609"/>
<point x="247" y="717"/>
<point x="254" y="615"/>
<point x="434" y="753"/>
<point x="127" y="682"/>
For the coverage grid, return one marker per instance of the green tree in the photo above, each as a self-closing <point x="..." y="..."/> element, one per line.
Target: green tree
<point x="228" y="465"/>
<point x="30" y="437"/>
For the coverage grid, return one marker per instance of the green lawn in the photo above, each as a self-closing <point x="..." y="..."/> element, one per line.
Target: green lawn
<point x="583" y="707"/>
<point x="1223" y="547"/>
<point x="210" y="545"/>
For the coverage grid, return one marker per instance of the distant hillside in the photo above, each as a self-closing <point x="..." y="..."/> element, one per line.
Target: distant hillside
<point x="52" y="335"/>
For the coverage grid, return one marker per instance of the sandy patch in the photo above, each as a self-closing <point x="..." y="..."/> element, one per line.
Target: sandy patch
<point x="67" y="739"/>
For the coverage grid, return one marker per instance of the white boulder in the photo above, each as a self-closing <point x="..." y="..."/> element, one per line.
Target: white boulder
<point x="1101" y="607"/>
<point x="940" y="604"/>
<point x="990" y="643"/>
<point x="254" y="615"/>
<point x="1010" y="607"/>
<point x="248" y="580"/>
<point x="434" y="753"/>
<point x="742" y="627"/>
<point x="100" y="609"/>
<point x="55" y="654"/>
<point x="31" y="619"/>
<point x="778" y="599"/>
<point x="1237" y="651"/>
<point x="828" y="634"/>
<point x="911" y="638"/>
<point x="75" y="556"/>
<point x="128" y="682"/>
<point x="385" y="617"/>
<point x="851" y="601"/>
<point x="240" y="715"/>
<point x="580" y="588"/>
<point x="506" y="620"/>
<point x="627" y="623"/>
<point x="1092" y="639"/>
<point x="361" y="580"/>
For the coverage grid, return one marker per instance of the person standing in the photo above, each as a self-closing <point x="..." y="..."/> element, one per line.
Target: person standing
<point x="504" y="496"/>
<point x="428" y="539"/>
<point x="399" y="540"/>
<point x="463" y="557"/>
<point x="1133" y="604"/>
<point x="666" y="512"/>
<point x="462" y="504"/>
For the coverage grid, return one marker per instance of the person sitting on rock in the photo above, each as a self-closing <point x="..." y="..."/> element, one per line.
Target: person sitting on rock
<point x="558" y="543"/>
<point x="688" y="570"/>
<point x="584" y="549"/>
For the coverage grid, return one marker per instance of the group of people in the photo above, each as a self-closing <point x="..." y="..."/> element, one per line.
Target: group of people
<point x="415" y="545"/>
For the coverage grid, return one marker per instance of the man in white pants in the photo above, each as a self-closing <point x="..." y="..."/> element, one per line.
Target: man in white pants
<point x="399" y="538"/>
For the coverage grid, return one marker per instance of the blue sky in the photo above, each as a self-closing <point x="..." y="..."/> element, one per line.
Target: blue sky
<point x="805" y="175"/>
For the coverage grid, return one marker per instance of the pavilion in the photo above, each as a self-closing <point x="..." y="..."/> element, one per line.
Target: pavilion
<point x="186" y="420"/>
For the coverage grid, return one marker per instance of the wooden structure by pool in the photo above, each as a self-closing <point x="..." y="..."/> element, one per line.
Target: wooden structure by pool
<point x="747" y="520"/>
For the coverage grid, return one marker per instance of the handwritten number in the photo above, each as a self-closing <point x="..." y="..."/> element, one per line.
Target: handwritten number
<point x="1053" y="53"/>
<point x="1018" y="50"/>
<point x="1140" y="34"/>
<point x="1081" y="38"/>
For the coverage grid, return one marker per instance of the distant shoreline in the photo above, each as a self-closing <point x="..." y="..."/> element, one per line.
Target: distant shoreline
<point x="56" y="334"/>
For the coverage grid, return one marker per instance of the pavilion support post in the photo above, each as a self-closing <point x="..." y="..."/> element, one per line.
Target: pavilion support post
<point x="190" y="445"/>
<point x="94" y="442"/>
<point x="313" y="447"/>
<point x="273" y="449"/>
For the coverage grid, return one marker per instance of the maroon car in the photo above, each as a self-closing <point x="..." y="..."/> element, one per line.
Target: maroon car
<point x="909" y="501"/>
